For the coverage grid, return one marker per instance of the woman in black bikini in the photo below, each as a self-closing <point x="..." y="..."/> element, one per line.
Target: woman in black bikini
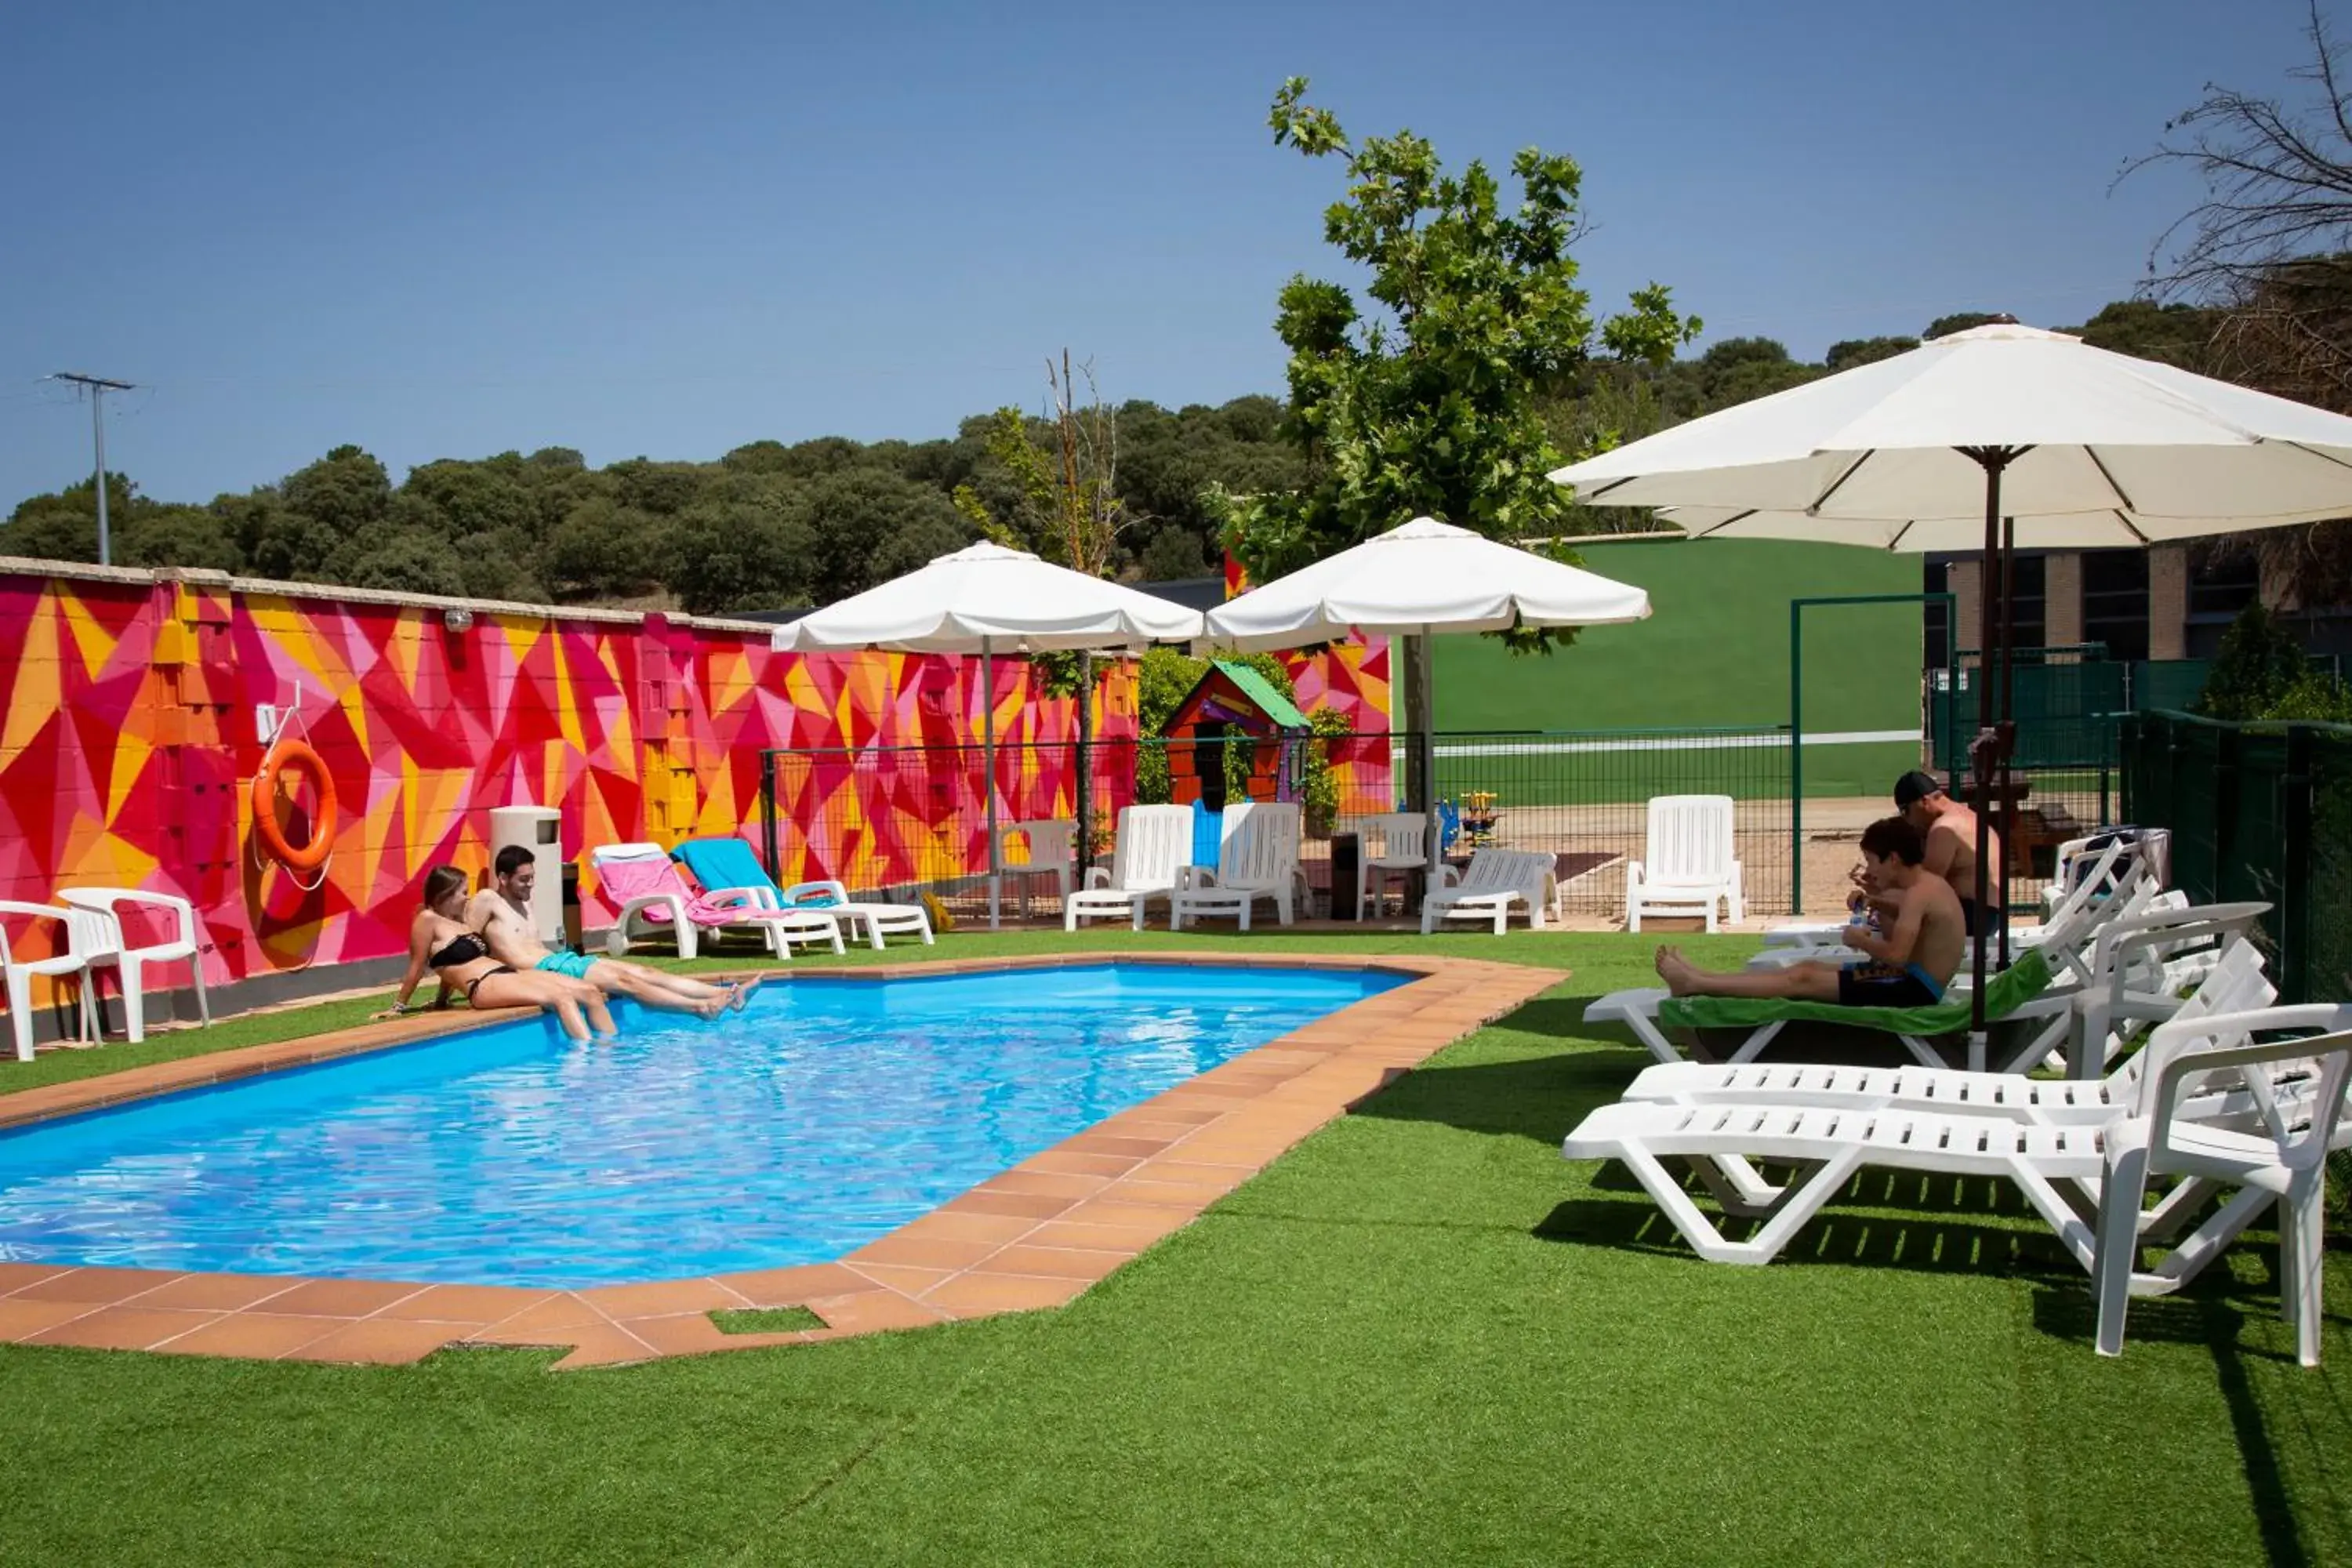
<point x="461" y="961"/>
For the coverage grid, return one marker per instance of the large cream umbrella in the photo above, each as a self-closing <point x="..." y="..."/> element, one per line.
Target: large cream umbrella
<point x="2068" y="447"/>
<point x="1417" y="580"/>
<point x="987" y="599"/>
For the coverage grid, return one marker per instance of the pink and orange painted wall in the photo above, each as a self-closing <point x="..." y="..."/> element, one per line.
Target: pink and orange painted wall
<point x="130" y="737"/>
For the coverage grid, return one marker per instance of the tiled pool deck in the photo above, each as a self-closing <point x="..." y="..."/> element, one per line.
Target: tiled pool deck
<point x="1034" y="1236"/>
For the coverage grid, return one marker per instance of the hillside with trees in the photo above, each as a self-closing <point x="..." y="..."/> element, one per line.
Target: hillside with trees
<point x="771" y="526"/>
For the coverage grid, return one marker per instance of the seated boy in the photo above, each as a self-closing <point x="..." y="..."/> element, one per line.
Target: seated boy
<point x="1909" y="966"/>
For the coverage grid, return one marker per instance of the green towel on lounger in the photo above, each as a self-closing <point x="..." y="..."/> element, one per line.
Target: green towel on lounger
<point x="2004" y="994"/>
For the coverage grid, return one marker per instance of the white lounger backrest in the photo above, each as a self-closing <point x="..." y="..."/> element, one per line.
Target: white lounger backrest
<point x="2236" y="985"/>
<point x="1154" y="844"/>
<point x="1689" y="841"/>
<point x="1403" y="834"/>
<point x="1512" y="870"/>
<point x="1259" y="847"/>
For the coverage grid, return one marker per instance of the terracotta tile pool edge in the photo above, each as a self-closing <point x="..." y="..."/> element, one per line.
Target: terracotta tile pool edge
<point x="1037" y="1235"/>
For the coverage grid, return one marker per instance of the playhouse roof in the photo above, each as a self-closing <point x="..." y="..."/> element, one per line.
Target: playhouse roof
<point x="1254" y="686"/>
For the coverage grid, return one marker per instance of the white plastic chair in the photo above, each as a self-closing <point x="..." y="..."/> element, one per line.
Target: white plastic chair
<point x="1689" y="864"/>
<point x="1404" y="849"/>
<point x="2285" y="1162"/>
<point x="84" y="933"/>
<point x="1048" y="848"/>
<point x="1487" y="889"/>
<point x="185" y="945"/>
<point x="1147" y="862"/>
<point x="1257" y="858"/>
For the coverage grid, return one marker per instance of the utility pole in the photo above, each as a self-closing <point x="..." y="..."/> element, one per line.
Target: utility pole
<point x="98" y="387"/>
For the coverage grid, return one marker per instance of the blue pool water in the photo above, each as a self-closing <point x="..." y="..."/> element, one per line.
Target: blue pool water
<point x="826" y="1114"/>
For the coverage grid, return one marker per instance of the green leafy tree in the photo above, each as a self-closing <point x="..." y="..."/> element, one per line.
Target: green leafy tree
<point x="1855" y="352"/>
<point x="1963" y="321"/>
<point x="180" y="536"/>
<point x="1427" y="400"/>
<point x="753" y="552"/>
<point x="63" y="526"/>
<point x="471" y="498"/>
<point x="406" y="562"/>
<point x="871" y="525"/>
<point x="346" y="492"/>
<point x="2259" y="663"/>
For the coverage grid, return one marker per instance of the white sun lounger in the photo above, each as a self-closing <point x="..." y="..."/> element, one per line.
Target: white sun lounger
<point x="1724" y="1142"/>
<point x="1257" y="858"/>
<point x="2237" y="984"/>
<point x="1147" y="862"/>
<point x="2044" y="1018"/>
<point x="1495" y="882"/>
<point x="828" y="896"/>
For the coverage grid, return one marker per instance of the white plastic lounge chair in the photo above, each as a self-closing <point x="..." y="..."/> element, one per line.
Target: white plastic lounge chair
<point x="640" y="878"/>
<point x="2087" y="903"/>
<point x="185" y="945"/>
<point x="1028" y="850"/>
<point x="877" y="918"/>
<point x="732" y="864"/>
<point x="2141" y="960"/>
<point x="1404" y="849"/>
<point x="2284" y="1161"/>
<point x="2035" y="1019"/>
<point x="1689" y="865"/>
<point x="1495" y="881"/>
<point x="2236" y="985"/>
<point x="2083" y="863"/>
<point x="1257" y="858"/>
<point x="1148" y="859"/>
<point x="1725" y="1142"/>
<point x="84" y="933"/>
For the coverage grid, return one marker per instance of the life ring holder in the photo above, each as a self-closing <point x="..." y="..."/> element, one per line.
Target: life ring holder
<point x="282" y="752"/>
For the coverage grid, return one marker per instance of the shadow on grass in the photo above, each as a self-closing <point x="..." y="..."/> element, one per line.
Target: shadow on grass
<point x="1952" y="1245"/>
<point x="2205" y="1316"/>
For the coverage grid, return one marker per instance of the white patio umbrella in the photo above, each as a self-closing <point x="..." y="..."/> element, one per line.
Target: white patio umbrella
<point x="1417" y="580"/>
<point x="987" y="599"/>
<point x="1938" y="449"/>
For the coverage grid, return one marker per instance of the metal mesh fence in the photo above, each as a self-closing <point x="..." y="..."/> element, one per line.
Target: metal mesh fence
<point x="902" y="821"/>
<point x="2257" y="812"/>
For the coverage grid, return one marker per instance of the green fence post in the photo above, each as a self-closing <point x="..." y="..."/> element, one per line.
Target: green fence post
<point x="2294" y="880"/>
<point x="1796" y="757"/>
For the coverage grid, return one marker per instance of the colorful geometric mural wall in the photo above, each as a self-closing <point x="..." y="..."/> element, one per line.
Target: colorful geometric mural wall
<point x="1352" y="678"/>
<point x="131" y="736"/>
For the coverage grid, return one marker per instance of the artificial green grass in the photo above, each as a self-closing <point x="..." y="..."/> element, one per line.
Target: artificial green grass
<point x="765" y="1319"/>
<point x="1419" y="1337"/>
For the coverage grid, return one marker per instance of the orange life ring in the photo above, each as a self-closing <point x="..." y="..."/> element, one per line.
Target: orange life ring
<point x="310" y="856"/>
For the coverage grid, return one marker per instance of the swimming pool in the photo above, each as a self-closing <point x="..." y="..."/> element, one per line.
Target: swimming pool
<point x="832" y="1111"/>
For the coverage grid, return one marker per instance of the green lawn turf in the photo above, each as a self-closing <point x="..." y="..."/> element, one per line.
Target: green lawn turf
<point x="1419" y="1337"/>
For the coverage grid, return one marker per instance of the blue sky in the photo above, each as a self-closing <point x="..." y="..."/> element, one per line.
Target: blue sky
<point x="446" y="230"/>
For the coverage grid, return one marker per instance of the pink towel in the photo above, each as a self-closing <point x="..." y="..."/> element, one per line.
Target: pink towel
<point x="637" y="877"/>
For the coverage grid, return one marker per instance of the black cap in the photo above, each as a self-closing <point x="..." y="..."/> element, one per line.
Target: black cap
<point x="1913" y="787"/>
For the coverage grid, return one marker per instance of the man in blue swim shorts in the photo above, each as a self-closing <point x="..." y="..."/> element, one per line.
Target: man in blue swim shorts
<point x="502" y="915"/>
<point x="1909" y="966"/>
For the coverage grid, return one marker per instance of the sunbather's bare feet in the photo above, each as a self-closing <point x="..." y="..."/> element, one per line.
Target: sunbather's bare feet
<point x="709" y="1008"/>
<point x="1675" y="971"/>
<point x="742" y="992"/>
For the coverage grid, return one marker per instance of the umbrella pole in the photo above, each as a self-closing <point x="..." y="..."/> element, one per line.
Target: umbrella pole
<point x="1982" y="751"/>
<point x="2008" y="717"/>
<point x="1424" y="714"/>
<point x="988" y="761"/>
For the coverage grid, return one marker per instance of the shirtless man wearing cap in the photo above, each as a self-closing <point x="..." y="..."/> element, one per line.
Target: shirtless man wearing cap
<point x="1949" y="829"/>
